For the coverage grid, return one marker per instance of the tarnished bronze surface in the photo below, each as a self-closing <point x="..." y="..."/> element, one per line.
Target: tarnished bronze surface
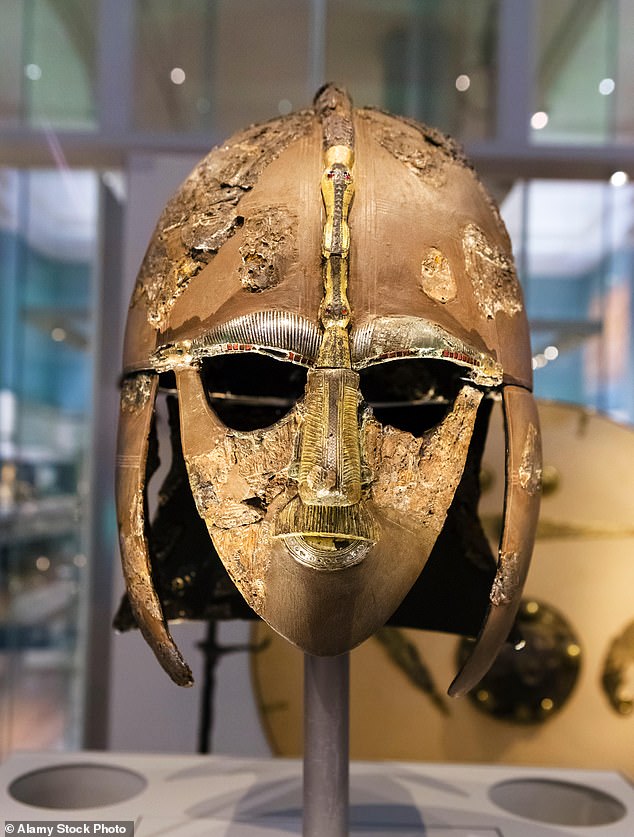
<point x="492" y="274"/>
<point x="202" y="217"/>
<point x="521" y="508"/>
<point x="138" y="396"/>
<point x="402" y="139"/>
<point x="456" y="219"/>
<point x="267" y="247"/>
<point x="341" y="241"/>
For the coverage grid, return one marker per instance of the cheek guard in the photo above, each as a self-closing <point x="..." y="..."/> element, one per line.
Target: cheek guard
<point x="362" y="248"/>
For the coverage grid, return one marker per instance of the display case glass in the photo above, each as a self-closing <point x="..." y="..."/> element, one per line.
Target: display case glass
<point x="573" y="246"/>
<point x="217" y="74"/>
<point x="433" y="61"/>
<point x="47" y="256"/>
<point x="49" y="57"/>
<point x="583" y="75"/>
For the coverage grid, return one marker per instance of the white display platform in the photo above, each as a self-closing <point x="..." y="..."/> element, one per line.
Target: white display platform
<point x="219" y="796"/>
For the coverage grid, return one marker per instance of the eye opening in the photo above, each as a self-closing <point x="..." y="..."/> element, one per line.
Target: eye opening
<point x="411" y="394"/>
<point x="250" y="391"/>
<point x="167" y="381"/>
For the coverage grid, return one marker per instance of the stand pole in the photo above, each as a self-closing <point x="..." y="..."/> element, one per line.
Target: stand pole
<point x="326" y="747"/>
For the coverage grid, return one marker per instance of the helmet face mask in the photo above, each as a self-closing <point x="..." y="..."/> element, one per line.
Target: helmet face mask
<point x="333" y="310"/>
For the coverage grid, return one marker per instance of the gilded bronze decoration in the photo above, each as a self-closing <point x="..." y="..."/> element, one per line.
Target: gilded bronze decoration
<point x="331" y="297"/>
<point x="388" y="338"/>
<point x="531" y="681"/>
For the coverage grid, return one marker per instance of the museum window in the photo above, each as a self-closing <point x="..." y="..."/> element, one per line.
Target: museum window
<point x="573" y="246"/>
<point x="49" y="64"/>
<point x="584" y="75"/>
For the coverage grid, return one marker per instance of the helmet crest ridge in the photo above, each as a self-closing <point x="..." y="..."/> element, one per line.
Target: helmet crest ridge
<point x="337" y="188"/>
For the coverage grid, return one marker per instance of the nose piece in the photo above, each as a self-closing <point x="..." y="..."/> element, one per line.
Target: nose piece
<point x="328" y="526"/>
<point x="330" y="460"/>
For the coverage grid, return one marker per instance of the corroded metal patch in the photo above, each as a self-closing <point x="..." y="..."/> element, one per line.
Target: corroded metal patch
<point x="334" y="108"/>
<point x="247" y="555"/>
<point x="437" y="279"/>
<point x="233" y="485"/>
<point x="435" y="137"/>
<point x="409" y="145"/>
<point x="617" y="678"/>
<point x="507" y="579"/>
<point x="135" y="393"/>
<point x="268" y="247"/>
<point x="492" y="273"/>
<point x="419" y="476"/>
<point x="203" y="215"/>
<point x="530" y="470"/>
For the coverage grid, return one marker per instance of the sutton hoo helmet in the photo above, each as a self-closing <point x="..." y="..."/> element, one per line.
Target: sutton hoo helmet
<point x="332" y="297"/>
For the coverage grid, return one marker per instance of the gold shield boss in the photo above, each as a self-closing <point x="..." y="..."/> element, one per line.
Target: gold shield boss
<point x="340" y="241"/>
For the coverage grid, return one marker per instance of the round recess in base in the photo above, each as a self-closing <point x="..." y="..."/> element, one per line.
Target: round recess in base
<point x="558" y="803"/>
<point x="68" y="786"/>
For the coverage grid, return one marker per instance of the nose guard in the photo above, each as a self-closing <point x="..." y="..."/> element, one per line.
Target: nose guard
<point x="328" y="525"/>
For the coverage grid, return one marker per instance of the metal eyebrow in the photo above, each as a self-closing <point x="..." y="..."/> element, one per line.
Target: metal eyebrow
<point x="388" y="338"/>
<point x="280" y="334"/>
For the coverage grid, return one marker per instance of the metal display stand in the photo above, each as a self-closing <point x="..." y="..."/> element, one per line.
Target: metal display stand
<point x="326" y="745"/>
